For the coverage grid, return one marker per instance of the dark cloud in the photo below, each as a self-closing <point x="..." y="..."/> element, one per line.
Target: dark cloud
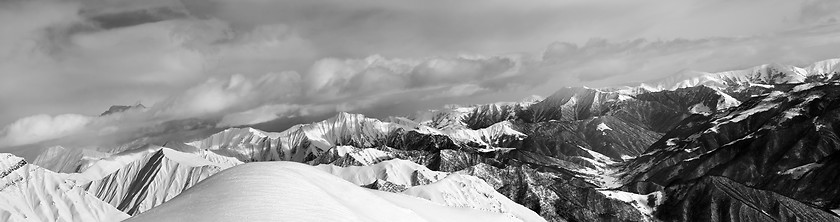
<point x="820" y="11"/>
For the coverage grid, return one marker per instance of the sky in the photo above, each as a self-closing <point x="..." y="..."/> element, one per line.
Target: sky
<point x="64" y="62"/>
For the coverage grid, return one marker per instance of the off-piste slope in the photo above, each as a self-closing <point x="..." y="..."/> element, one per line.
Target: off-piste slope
<point x="287" y="191"/>
<point x="32" y="193"/>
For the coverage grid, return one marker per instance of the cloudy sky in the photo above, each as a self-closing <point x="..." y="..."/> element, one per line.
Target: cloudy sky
<point x="246" y="61"/>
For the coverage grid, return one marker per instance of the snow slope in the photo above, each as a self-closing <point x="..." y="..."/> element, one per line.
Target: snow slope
<point x="32" y="193"/>
<point x="137" y="180"/>
<point x="454" y="190"/>
<point x="287" y="191"/>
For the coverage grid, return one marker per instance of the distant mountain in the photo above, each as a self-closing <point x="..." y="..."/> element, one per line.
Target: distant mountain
<point x="119" y="109"/>
<point x="767" y="74"/>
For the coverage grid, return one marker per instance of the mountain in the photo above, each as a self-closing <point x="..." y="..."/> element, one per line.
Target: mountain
<point x="119" y="109"/>
<point x="785" y="138"/>
<point x="32" y="193"/>
<point x="762" y="75"/>
<point x="748" y="145"/>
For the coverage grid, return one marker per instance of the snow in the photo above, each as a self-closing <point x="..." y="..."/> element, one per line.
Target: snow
<point x="471" y="192"/>
<point x="109" y="165"/>
<point x="791" y="113"/>
<point x="766" y="104"/>
<point x="806" y="86"/>
<point x="672" y="141"/>
<point x="640" y="202"/>
<point x="762" y="85"/>
<point x="799" y="171"/>
<point x="758" y="76"/>
<point x="700" y="108"/>
<point x="141" y="179"/>
<point x="726" y="101"/>
<point x="32" y="193"/>
<point x="454" y="190"/>
<point x="287" y="191"/>
<point x="366" y="156"/>
<point x="396" y="171"/>
<point x="602" y="127"/>
<point x="485" y="137"/>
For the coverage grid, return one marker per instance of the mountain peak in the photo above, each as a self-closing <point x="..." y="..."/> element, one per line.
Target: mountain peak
<point x="120" y="108"/>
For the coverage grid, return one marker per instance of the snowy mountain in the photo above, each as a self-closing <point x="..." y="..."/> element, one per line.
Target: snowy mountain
<point x="762" y="75"/>
<point x="749" y="145"/>
<point x="32" y="193"/>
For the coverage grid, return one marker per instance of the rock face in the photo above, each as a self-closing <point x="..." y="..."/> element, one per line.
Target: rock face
<point x="714" y="198"/>
<point x="786" y="140"/>
<point x="32" y="193"/>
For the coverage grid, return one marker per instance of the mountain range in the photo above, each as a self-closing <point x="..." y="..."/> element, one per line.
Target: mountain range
<point x="758" y="144"/>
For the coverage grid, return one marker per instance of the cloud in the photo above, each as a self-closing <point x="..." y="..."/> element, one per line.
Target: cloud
<point x="379" y="75"/>
<point x="250" y="61"/>
<point x="41" y="127"/>
<point x="601" y="62"/>
<point x="235" y="93"/>
<point x="343" y="85"/>
<point x="820" y="11"/>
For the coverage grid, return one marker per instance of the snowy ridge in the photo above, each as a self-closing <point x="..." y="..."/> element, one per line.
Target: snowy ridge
<point x="396" y="171"/>
<point x="343" y="129"/>
<point x="352" y="156"/>
<point x="467" y="191"/>
<point x="242" y="143"/>
<point x="306" y="142"/>
<point x="292" y="192"/>
<point x="486" y="137"/>
<point x="66" y="160"/>
<point x="32" y="193"/>
<point x="138" y="180"/>
<point x="766" y="74"/>
<point x="455" y="190"/>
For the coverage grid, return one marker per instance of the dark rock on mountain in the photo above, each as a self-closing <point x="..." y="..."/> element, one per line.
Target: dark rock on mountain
<point x="556" y="198"/>
<point x="607" y="135"/>
<point x="569" y="104"/>
<point x="484" y="116"/>
<point x="714" y="198"/>
<point x="781" y="142"/>
<point x="661" y="111"/>
<point x="119" y="108"/>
